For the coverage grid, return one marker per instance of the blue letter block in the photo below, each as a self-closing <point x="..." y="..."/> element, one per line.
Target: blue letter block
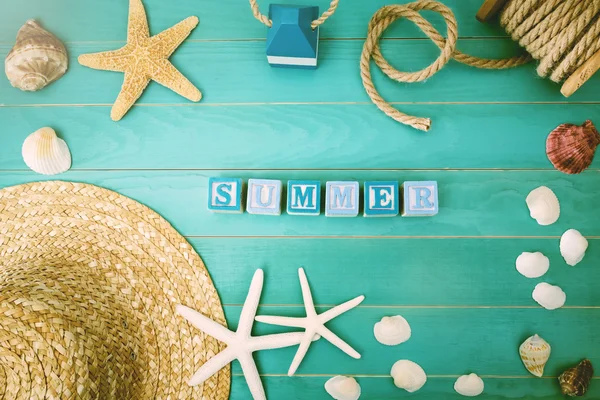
<point x="264" y="197"/>
<point x="341" y="199"/>
<point x="381" y="199"/>
<point x="225" y="195"/>
<point x="291" y="41"/>
<point x="304" y="198"/>
<point x="420" y="199"/>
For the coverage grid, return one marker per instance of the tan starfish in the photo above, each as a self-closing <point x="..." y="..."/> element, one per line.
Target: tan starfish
<point x="145" y="58"/>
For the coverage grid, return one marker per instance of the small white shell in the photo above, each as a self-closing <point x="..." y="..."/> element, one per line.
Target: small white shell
<point x="543" y="205"/>
<point x="573" y="246"/>
<point x="549" y="296"/>
<point x="532" y="265"/>
<point x="408" y="375"/>
<point x="45" y="153"/>
<point x="535" y="353"/>
<point x="469" y="385"/>
<point x="343" y="388"/>
<point x="392" y="331"/>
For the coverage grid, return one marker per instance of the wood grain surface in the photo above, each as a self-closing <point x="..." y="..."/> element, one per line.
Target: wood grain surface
<point x="452" y="276"/>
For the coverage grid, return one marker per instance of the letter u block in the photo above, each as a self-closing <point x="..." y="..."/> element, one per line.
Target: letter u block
<point x="225" y="195"/>
<point x="420" y="199"/>
<point x="264" y="197"/>
<point x="381" y="199"/>
<point x="341" y="199"/>
<point x="304" y="198"/>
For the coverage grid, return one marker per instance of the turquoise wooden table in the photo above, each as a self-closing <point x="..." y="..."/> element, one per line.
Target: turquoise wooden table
<point x="451" y="276"/>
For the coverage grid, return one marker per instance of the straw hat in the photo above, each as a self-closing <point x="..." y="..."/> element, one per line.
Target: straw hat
<point x="89" y="281"/>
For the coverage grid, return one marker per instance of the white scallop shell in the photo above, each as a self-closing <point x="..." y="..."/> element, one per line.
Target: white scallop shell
<point x="392" y="331"/>
<point x="543" y="205"/>
<point x="573" y="246"/>
<point x="532" y="265"/>
<point x="343" y="388"/>
<point x="408" y="375"/>
<point x="549" y="296"/>
<point x="46" y="153"/>
<point x="469" y="385"/>
<point x="535" y="353"/>
<point x="37" y="58"/>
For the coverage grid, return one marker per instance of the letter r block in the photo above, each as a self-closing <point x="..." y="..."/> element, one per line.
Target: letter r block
<point x="420" y="199"/>
<point x="264" y="197"/>
<point x="341" y="199"/>
<point x="381" y="199"/>
<point x="304" y="198"/>
<point x="225" y="195"/>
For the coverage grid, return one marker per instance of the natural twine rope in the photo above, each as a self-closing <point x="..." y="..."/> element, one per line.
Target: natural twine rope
<point x="562" y="34"/>
<point x="265" y="20"/>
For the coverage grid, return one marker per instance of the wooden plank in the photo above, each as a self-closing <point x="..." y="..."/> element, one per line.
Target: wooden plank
<point x="472" y="203"/>
<point x="106" y="20"/>
<point x="295" y="136"/>
<point x="237" y="72"/>
<point x="447" y="272"/>
<point x="443" y="341"/>
<point x="382" y="388"/>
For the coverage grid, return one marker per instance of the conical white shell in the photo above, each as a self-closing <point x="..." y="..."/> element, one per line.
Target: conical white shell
<point x="469" y="385"/>
<point x="532" y="265"/>
<point x="535" y="353"/>
<point x="408" y="375"/>
<point x="543" y="205"/>
<point x="46" y="153"/>
<point x="549" y="296"/>
<point x="37" y="58"/>
<point x="392" y="331"/>
<point x="343" y="388"/>
<point x="573" y="246"/>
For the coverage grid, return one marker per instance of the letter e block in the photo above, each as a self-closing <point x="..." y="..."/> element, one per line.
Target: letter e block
<point x="381" y="199"/>
<point x="264" y="197"/>
<point x="304" y="198"/>
<point x="341" y="199"/>
<point x="420" y="199"/>
<point x="225" y="195"/>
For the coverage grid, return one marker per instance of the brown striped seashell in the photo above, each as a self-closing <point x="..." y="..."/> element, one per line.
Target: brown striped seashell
<point x="571" y="148"/>
<point x="575" y="381"/>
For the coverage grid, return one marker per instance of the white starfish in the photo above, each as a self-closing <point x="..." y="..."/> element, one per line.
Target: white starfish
<point x="240" y="344"/>
<point x="313" y="324"/>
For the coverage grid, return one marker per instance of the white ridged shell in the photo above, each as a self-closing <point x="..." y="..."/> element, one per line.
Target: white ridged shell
<point x="343" y="388"/>
<point x="37" y="58"/>
<point x="535" y="353"/>
<point x="532" y="265"/>
<point x="392" y="331"/>
<point x="408" y="375"/>
<point x="549" y="296"/>
<point x="45" y="153"/>
<point x="543" y="205"/>
<point x="469" y="385"/>
<point x="573" y="246"/>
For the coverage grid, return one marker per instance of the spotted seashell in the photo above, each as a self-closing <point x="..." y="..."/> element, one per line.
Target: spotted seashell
<point x="571" y="148"/>
<point x="45" y="153"/>
<point x="37" y="59"/>
<point x="575" y="381"/>
<point x="535" y="353"/>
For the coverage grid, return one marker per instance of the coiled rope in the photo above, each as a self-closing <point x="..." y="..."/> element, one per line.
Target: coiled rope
<point x="265" y="20"/>
<point x="562" y="34"/>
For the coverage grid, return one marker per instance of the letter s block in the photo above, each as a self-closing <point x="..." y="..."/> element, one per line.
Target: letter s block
<point x="420" y="199"/>
<point x="225" y="195"/>
<point x="341" y="199"/>
<point x="264" y="197"/>
<point x="304" y="198"/>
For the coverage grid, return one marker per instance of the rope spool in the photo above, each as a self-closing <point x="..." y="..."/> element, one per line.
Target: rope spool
<point x="564" y="35"/>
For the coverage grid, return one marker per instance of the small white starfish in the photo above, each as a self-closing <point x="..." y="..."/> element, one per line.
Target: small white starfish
<point x="313" y="324"/>
<point x="240" y="344"/>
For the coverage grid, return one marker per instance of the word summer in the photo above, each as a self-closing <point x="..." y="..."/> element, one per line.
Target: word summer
<point x="342" y="198"/>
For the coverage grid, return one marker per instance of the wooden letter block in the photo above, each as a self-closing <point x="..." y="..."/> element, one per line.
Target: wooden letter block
<point x="341" y="199"/>
<point x="291" y="41"/>
<point x="304" y="198"/>
<point x="264" y="197"/>
<point x="225" y="195"/>
<point x="420" y="199"/>
<point x="381" y="199"/>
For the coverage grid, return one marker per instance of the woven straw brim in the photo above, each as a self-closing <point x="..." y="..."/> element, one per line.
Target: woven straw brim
<point x="89" y="281"/>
